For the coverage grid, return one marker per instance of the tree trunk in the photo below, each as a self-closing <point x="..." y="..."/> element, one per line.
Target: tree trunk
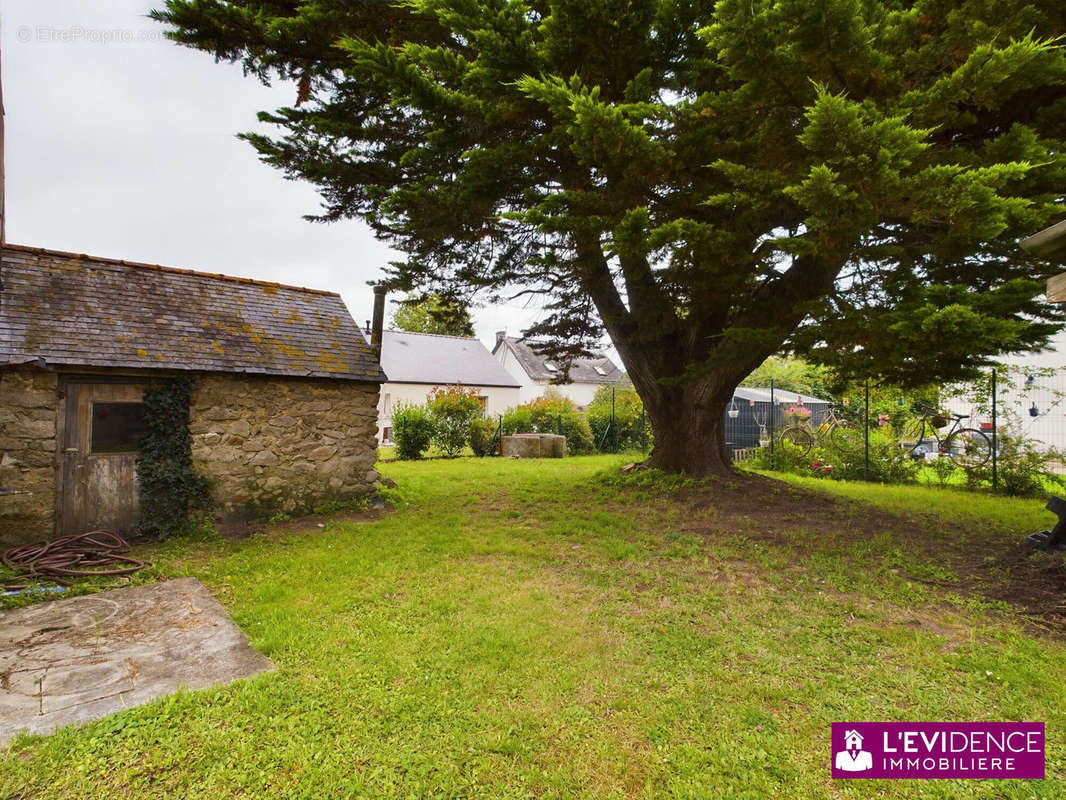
<point x="689" y="427"/>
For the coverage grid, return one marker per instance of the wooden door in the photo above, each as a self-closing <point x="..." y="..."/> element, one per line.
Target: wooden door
<point x="97" y="481"/>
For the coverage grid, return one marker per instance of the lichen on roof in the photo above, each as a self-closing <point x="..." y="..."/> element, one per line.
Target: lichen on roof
<point x="70" y="309"/>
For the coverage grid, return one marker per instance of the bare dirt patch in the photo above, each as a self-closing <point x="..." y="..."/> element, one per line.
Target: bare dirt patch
<point x="980" y="559"/>
<point x="235" y="530"/>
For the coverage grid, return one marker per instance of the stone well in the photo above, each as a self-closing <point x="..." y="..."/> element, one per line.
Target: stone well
<point x="534" y="445"/>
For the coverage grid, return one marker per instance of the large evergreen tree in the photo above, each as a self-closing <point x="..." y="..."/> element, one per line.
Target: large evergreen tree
<point x="709" y="181"/>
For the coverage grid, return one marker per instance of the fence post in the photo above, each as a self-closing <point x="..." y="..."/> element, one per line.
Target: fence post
<point x="866" y="434"/>
<point x="772" y="410"/>
<point x="643" y="431"/>
<point x="614" y="429"/>
<point x="559" y="424"/>
<point x="995" y="437"/>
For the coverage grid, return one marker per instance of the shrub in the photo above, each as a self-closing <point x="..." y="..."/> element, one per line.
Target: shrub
<point x="889" y="463"/>
<point x="628" y="409"/>
<point x="412" y="430"/>
<point x="517" y="420"/>
<point x="1022" y="468"/>
<point x="453" y="410"/>
<point x="551" y="413"/>
<point x="482" y="436"/>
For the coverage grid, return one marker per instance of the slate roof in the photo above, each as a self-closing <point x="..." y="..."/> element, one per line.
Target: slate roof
<point x="77" y="310"/>
<point x="1049" y="243"/>
<point x="583" y="370"/>
<point x="436" y="360"/>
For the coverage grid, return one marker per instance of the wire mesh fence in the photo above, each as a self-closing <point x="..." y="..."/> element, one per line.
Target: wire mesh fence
<point x="1005" y="431"/>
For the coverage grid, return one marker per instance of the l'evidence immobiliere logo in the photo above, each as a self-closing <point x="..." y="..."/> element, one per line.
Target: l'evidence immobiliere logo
<point x="938" y="749"/>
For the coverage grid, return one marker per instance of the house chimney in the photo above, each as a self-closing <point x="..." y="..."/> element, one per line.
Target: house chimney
<point x="379" y="319"/>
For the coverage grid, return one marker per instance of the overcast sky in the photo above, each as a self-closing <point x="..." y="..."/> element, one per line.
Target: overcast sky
<point x="122" y="144"/>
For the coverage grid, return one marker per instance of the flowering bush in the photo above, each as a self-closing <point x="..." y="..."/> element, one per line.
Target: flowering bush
<point x="453" y="409"/>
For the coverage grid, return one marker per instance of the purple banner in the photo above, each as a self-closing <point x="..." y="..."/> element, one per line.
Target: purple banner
<point x="938" y="749"/>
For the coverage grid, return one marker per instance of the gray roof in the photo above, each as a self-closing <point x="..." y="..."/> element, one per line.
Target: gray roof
<point x="583" y="370"/>
<point x="432" y="359"/>
<point x="76" y="310"/>
<point x="1049" y="243"/>
<point x="762" y="395"/>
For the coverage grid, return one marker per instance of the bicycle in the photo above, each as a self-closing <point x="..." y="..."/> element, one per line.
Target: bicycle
<point x="969" y="448"/>
<point x="839" y="432"/>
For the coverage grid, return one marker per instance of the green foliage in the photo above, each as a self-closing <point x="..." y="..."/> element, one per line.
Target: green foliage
<point x="792" y="374"/>
<point x="1023" y="468"/>
<point x="517" y="420"/>
<point x="171" y="493"/>
<point x="551" y="413"/>
<point x="433" y="313"/>
<point x="889" y="463"/>
<point x="453" y="410"/>
<point x="483" y="436"/>
<point x="711" y="182"/>
<point x="412" y="430"/>
<point x="627" y="435"/>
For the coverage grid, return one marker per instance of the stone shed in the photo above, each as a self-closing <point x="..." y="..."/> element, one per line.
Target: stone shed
<point x="284" y="403"/>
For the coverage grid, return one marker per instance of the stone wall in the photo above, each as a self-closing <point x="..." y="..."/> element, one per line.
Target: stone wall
<point x="28" y="404"/>
<point x="283" y="444"/>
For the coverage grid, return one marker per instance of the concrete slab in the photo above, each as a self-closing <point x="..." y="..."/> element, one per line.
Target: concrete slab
<point x="81" y="659"/>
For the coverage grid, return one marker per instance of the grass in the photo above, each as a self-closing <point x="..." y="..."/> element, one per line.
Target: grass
<point x="527" y="629"/>
<point x="1013" y="515"/>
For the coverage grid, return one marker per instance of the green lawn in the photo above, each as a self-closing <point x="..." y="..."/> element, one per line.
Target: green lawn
<point x="520" y="629"/>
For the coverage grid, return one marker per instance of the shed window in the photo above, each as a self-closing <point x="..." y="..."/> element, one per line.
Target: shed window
<point x="117" y="427"/>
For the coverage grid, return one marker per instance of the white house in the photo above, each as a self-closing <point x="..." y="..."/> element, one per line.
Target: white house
<point x="535" y="372"/>
<point x="417" y="362"/>
<point x="1032" y="390"/>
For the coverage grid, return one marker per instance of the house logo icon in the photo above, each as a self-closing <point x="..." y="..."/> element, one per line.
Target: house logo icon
<point x="853" y="758"/>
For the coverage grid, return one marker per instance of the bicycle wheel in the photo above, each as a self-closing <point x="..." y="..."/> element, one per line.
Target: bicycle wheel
<point x="846" y="438"/>
<point x="968" y="447"/>
<point x="912" y="438"/>
<point x="799" y="438"/>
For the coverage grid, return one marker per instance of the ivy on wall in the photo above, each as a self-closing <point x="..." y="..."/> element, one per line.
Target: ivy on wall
<point x="171" y="492"/>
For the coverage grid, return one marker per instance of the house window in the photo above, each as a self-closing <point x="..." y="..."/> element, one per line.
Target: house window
<point x="386" y="434"/>
<point x="600" y="370"/>
<point x="548" y="365"/>
<point x="484" y="404"/>
<point x="117" y="427"/>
